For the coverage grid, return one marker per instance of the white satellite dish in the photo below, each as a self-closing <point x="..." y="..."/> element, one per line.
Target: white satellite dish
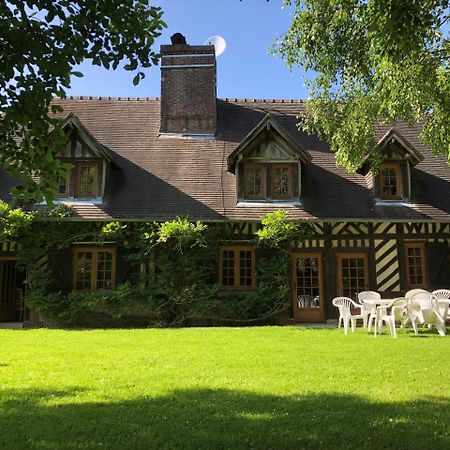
<point x="219" y="44"/>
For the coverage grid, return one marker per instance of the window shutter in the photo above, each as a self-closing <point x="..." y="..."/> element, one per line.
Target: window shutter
<point x="405" y="182"/>
<point x="124" y="270"/>
<point x="240" y="181"/>
<point x="60" y="264"/>
<point x="437" y="256"/>
<point x="294" y="181"/>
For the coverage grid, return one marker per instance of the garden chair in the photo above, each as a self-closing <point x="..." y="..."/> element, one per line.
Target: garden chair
<point x="344" y="304"/>
<point x="424" y="309"/>
<point x="443" y="294"/>
<point x="390" y="314"/>
<point x="441" y="309"/>
<point x="413" y="292"/>
<point x="368" y="311"/>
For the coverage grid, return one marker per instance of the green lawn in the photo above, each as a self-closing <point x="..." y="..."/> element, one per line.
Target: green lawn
<point x="261" y="388"/>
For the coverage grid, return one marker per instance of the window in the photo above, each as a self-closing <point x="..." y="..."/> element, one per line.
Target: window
<point x="62" y="189"/>
<point x="87" y="179"/>
<point x="352" y="274"/>
<point x="279" y="186"/>
<point x="82" y="181"/>
<point x="415" y="265"/>
<point x="94" y="268"/>
<point x="254" y="175"/>
<point x="237" y="267"/>
<point x="281" y="181"/>
<point x="390" y="179"/>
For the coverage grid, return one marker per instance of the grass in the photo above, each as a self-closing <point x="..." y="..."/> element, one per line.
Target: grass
<point x="261" y="388"/>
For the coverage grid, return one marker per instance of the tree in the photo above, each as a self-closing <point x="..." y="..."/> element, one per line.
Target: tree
<point x="42" y="41"/>
<point x="372" y="61"/>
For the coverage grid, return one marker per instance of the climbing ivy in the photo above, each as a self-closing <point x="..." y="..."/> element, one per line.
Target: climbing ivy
<point x="175" y="267"/>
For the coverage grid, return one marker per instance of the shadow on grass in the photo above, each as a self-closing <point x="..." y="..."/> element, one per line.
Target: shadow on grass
<point x="219" y="419"/>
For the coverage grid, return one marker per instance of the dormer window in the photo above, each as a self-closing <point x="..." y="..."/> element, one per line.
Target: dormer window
<point x="281" y="181"/>
<point x="63" y="186"/>
<point x="268" y="165"/>
<point x="254" y="175"/>
<point x="89" y="165"/>
<point x="87" y="180"/>
<point x="391" y="181"/>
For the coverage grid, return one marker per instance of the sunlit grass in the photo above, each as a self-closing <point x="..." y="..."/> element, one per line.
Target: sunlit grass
<point x="270" y="387"/>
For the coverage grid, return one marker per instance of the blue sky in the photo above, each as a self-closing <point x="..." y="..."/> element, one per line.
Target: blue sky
<point x="245" y="69"/>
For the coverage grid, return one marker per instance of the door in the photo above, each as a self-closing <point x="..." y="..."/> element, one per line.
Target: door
<point x="308" y="301"/>
<point x="352" y="274"/>
<point x="7" y="290"/>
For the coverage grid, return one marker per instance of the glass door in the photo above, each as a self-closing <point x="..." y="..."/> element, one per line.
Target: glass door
<point x="308" y="287"/>
<point x="352" y="274"/>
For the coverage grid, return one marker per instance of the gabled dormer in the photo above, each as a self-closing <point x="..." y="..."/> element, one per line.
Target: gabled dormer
<point x="86" y="180"/>
<point x="268" y="164"/>
<point x="392" y="183"/>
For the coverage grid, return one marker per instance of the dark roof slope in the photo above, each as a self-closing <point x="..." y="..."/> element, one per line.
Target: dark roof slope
<point x="159" y="177"/>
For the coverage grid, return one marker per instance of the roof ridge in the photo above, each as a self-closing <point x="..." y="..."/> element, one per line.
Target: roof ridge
<point x="107" y="98"/>
<point x="263" y="100"/>
<point x="227" y="99"/>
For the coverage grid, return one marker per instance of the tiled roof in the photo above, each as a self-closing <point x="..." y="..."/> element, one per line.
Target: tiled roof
<point x="160" y="177"/>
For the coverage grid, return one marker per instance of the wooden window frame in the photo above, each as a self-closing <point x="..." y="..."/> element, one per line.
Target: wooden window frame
<point x="421" y="246"/>
<point x="398" y="174"/>
<point x="272" y="188"/>
<point x="262" y="167"/>
<point x="237" y="262"/>
<point x="80" y="164"/>
<point x="67" y="191"/>
<point x="94" y="251"/>
<point x="344" y="255"/>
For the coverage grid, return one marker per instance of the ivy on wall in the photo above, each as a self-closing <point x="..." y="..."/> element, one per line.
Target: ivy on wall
<point x="175" y="264"/>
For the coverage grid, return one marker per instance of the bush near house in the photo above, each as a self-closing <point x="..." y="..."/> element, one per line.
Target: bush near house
<point x="172" y="275"/>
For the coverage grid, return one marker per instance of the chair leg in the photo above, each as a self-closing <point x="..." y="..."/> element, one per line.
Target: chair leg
<point x="346" y="326"/>
<point x="369" y="325"/>
<point x="414" y="325"/>
<point x="339" y="322"/>
<point x="353" y="321"/>
<point x="441" y="328"/>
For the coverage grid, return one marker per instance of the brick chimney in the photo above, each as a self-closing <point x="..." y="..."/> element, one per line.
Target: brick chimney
<point x="188" y="88"/>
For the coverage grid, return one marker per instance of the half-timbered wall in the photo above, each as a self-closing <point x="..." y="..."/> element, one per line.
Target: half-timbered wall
<point x="7" y="248"/>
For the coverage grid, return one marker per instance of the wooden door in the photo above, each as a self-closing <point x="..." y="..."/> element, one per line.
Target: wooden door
<point x="7" y="290"/>
<point x="307" y="283"/>
<point x="352" y="274"/>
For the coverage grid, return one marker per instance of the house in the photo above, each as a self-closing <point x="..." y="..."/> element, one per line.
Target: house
<point x="232" y="161"/>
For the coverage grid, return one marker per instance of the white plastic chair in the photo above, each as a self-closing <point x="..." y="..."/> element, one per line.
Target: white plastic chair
<point x="441" y="309"/>
<point x="344" y="304"/>
<point x="443" y="294"/>
<point x="424" y="309"/>
<point x="368" y="311"/>
<point x="413" y="292"/>
<point x="390" y="314"/>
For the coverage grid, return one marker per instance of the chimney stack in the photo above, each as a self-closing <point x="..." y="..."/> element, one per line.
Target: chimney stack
<point x="188" y="88"/>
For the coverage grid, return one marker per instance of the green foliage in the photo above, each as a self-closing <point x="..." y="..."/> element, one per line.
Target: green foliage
<point x="113" y="230"/>
<point x="183" y="233"/>
<point x="277" y="231"/>
<point x="178" y="286"/>
<point x="41" y="44"/>
<point x="13" y="221"/>
<point x="371" y="61"/>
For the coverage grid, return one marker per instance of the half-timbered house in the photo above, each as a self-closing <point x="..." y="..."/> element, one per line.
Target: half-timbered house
<point x="232" y="161"/>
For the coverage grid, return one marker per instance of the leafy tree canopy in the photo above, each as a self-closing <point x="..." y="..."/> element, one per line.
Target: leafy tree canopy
<point x="372" y="61"/>
<point x="41" y="41"/>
